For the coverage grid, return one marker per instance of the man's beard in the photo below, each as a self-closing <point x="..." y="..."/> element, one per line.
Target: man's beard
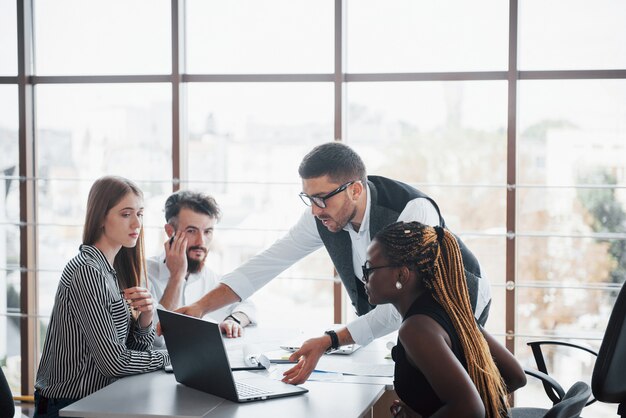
<point x="194" y="265"/>
<point x="340" y="225"/>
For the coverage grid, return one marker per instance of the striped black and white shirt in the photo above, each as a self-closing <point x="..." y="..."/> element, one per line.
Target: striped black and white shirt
<point x="92" y="338"/>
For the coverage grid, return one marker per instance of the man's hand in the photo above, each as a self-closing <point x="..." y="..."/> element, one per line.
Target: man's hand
<point x="307" y="357"/>
<point x="231" y="329"/>
<point x="176" y="255"/>
<point x="192" y="310"/>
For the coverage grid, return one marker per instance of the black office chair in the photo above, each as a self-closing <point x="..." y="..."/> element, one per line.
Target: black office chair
<point x="608" y="381"/>
<point x="570" y="406"/>
<point x="7" y="408"/>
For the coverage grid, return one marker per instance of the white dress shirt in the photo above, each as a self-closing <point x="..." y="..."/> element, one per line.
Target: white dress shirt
<point x="196" y="286"/>
<point x="303" y="238"/>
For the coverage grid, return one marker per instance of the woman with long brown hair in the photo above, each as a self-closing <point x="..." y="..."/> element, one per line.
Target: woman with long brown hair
<point x="101" y="324"/>
<point x="446" y="366"/>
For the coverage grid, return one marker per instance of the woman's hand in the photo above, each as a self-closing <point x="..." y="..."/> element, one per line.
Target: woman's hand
<point x="140" y="301"/>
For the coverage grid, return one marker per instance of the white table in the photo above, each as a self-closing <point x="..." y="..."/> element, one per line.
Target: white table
<point x="158" y="394"/>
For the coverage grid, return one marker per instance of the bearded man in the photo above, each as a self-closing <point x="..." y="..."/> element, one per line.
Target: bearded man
<point x="180" y="276"/>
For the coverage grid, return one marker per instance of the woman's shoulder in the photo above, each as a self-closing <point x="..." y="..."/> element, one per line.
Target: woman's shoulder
<point x="422" y="325"/>
<point x="84" y="268"/>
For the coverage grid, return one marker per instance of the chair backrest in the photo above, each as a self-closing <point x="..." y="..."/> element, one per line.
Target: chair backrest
<point x="7" y="407"/>
<point x="572" y="403"/>
<point x="608" y="381"/>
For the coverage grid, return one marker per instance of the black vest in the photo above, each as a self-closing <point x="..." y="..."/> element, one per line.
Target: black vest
<point x="388" y="199"/>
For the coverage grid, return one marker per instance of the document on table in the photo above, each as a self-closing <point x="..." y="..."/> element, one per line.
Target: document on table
<point x="357" y="369"/>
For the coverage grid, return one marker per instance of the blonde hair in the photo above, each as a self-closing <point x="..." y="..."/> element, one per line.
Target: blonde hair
<point x="105" y="193"/>
<point x="435" y="255"/>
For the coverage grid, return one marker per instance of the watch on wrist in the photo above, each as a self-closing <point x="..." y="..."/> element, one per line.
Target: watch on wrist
<point x="334" y="340"/>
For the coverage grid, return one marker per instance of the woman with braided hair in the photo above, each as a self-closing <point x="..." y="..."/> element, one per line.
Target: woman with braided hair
<point x="446" y="366"/>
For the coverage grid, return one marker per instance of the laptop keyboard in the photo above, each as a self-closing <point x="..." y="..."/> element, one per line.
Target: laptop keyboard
<point x="244" y="390"/>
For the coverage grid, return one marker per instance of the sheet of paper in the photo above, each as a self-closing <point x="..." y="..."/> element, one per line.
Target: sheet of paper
<point x="358" y="369"/>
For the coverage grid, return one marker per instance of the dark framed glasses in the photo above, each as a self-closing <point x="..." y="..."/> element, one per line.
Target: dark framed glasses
<point x="320" y="201"/>
<point x="367" y="269"/>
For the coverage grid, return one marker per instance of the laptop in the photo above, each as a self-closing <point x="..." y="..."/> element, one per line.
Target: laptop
<point x="200" y="361"/>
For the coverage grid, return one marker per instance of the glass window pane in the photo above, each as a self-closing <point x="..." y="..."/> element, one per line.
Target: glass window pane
<point x="9" y="233"/>
<point x="571" y="261"/>
<point x="576" y="211"/>
<point x="9" y="155"/>
<point x="572" y="35"/>
<point x="572" y="132"/>
<point x="568" y="312"/>
<point x="115" y="37"/>
<point x="431" y="132"/>
<point x="410" y="36"/>
<point x="254" y="132"/>
<point x="8" y="38"/>
<point x="277" y="36"/>
<point x="10" y="304"/>
<point x="86" y="131"/>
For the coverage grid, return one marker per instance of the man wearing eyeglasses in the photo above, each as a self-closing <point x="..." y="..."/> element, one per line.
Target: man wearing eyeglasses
<point x="348" y="208"/>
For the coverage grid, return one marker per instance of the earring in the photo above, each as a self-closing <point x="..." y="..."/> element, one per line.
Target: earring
<point x="398" y="285"/>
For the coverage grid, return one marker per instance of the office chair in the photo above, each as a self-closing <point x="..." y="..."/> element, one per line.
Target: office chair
<point x="570" y="406"/>
<point x="7" y="408"/>
<point x="608" y="381"/>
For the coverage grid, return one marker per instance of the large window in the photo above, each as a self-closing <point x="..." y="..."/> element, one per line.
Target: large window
<point x="9" y="236"/>
<point x="519" y="137"/>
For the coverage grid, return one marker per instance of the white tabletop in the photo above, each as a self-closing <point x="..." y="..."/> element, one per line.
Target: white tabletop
<point x="158" y="394"/>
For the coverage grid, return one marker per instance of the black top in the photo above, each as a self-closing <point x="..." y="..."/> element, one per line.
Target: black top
<point x="409" y="382"/>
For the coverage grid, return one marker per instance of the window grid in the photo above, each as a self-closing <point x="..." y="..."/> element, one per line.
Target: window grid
<point x="28" y="177"/>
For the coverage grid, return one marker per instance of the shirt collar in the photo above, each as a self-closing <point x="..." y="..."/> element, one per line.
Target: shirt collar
<point x="95" y="254"/>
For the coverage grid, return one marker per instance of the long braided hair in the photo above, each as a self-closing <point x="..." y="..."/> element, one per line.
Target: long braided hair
<point x="435" y="255"/>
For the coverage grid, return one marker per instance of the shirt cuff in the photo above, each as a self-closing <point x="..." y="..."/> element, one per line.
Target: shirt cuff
<point x="360" y="331"/>
<point x="165" y="356"/>
<point x="142" y="332"/>
<point x="239" y="284"/>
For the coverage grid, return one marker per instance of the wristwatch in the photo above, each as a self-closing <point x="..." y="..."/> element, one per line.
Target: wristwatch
<point x="334" y="340"/>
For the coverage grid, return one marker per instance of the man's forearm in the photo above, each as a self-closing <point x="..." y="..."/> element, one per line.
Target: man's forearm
<point x="171" y="295"/>
<point x="219" y="297"/>
<point x="343" y="336"/>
